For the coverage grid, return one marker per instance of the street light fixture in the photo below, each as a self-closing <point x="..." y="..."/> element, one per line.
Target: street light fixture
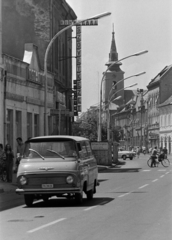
<point x="135" y="75"/>
<point x="100" y="104"/>
<point x="105" y="14"/>
<point x="108" y="115"/>
<point x="124" y="89"/>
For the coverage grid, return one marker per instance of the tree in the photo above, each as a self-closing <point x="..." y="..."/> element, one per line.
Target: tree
<point x="88" y="126"/>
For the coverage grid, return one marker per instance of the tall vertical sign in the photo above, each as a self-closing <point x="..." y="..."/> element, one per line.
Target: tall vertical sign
<point x="77" y="82"/>
<point x="0" y="34"/>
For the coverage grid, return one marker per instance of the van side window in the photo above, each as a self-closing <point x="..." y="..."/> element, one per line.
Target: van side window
<point x="88" y="147"/>
<point x="83" y="153"/>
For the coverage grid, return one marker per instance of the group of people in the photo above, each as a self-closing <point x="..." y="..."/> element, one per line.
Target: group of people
<point x="7" y="157"/>
<point x="158" y="155"/>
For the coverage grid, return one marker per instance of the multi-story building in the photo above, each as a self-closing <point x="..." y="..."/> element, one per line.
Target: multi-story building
<point x="159" y="90"/>
<point x="165" y="131"/>
<point x="27" y="28"/>
<point x="131" y="118"/>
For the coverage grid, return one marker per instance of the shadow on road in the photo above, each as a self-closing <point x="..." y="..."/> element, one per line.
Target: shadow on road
<point x="65" y="203"/>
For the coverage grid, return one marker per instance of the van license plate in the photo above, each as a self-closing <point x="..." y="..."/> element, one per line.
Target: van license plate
<point x="47" y="186"/>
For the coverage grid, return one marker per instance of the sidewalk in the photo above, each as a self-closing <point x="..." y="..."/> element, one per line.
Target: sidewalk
<point x="121" y="166"/>
<point x="8" y="187"/>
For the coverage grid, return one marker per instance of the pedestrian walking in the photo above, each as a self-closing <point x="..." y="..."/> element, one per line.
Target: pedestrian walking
<point x="165" y="152"/>
<point x="20" y="150"/>
<point x="9" y="162"/>
<point x="138" y="152"/>
<point x="2" y="155"/>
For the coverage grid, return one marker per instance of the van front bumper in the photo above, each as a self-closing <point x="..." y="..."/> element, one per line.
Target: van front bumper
<point x="54" y="191"/>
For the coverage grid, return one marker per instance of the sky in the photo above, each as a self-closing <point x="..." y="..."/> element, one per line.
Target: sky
<point x="138" y="25"/>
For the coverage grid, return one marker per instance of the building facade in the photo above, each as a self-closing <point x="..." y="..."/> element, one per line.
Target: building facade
<point x="27" y="28"/>
<point x="165" y="132"/>
<point x="159" y="90"/>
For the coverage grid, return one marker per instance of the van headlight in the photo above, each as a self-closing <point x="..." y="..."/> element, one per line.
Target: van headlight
<point x="69" y="179"/>
<point x="23" y="180"/>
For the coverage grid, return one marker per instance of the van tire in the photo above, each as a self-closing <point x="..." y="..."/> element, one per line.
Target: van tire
<point x="28" y="198"/>
<point x="124" y="157"/>
<point x="79" y="197"/>
<point x="90" y="194"/>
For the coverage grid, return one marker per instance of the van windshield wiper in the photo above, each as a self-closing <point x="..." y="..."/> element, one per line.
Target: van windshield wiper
<point x="56" y="153"/>
<point x="32" y="150"/>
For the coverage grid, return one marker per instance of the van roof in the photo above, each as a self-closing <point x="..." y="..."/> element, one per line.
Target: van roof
<point x="53" y="137"/>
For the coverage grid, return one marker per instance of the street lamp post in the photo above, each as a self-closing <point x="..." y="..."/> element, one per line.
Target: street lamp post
<point x="46" y="55"/>
<point x="108" y="115"/>
<point x="99" y="138"/>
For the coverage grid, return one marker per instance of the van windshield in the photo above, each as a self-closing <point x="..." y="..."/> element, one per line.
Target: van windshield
<point x="50" y="149"/>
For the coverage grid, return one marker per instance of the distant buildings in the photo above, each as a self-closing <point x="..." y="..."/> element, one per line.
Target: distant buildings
<point x="143" y="116"/>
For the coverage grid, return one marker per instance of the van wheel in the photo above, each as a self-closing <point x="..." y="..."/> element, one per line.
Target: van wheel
<point x="90" y="194"/>
<point x="79" y="197"/>
<point x="131" y="158"/>
<point x="124" y="157"/>
<point x="28" y="198"/>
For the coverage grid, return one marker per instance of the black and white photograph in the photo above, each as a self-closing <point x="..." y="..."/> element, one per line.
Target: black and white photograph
<point x="86" y="119"/>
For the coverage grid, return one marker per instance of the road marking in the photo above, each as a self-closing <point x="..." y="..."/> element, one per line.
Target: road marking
<point x="46" y="225"/>
<point x="124" y="194"/>
<point x="155" y="180"/>
<point x="87" y="209"/>
<point x="167" y="173"/>
<point x="143" y="186"/>
<point x="161" y="170"/>
<point x="146" y="170"/>
<point x="161" y="176"/>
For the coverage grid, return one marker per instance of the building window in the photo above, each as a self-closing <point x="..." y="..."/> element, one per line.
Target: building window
<point x="36" y="125"/>
<point x="29" y="125"/>
<point x="18" y="124"/>
<point x="10" y="127"/>
<point x="169" y="120"/>
<point x="165" y="120"/>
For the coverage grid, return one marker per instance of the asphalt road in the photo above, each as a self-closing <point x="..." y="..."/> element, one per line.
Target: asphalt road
<point x="130" y="203"/>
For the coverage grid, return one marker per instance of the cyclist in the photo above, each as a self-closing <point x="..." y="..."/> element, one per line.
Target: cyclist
<point x="154" y="157"/>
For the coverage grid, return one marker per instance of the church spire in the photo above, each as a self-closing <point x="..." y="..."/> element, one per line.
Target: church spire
<point x="113" y="55"/>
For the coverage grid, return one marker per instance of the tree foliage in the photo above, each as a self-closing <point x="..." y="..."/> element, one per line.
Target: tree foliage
<point x="88" y="127"/>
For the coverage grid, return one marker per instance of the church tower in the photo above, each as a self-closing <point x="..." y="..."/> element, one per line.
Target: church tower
<point x="113" y="75"/>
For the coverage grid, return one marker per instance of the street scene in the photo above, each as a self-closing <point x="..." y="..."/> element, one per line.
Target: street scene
<point x="85" y="120"/>
<point x="133" y="201"/>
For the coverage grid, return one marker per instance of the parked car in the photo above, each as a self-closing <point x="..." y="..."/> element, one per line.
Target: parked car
<point x="62" y="166"/>
<point x="126" y="154"/>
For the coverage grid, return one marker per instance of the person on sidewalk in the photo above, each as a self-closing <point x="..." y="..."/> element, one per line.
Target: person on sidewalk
<point x="20" y="150"/>
<point x="2" y="156"/>
<point x="165" y="152"/>
<point x="9" y="162"/>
